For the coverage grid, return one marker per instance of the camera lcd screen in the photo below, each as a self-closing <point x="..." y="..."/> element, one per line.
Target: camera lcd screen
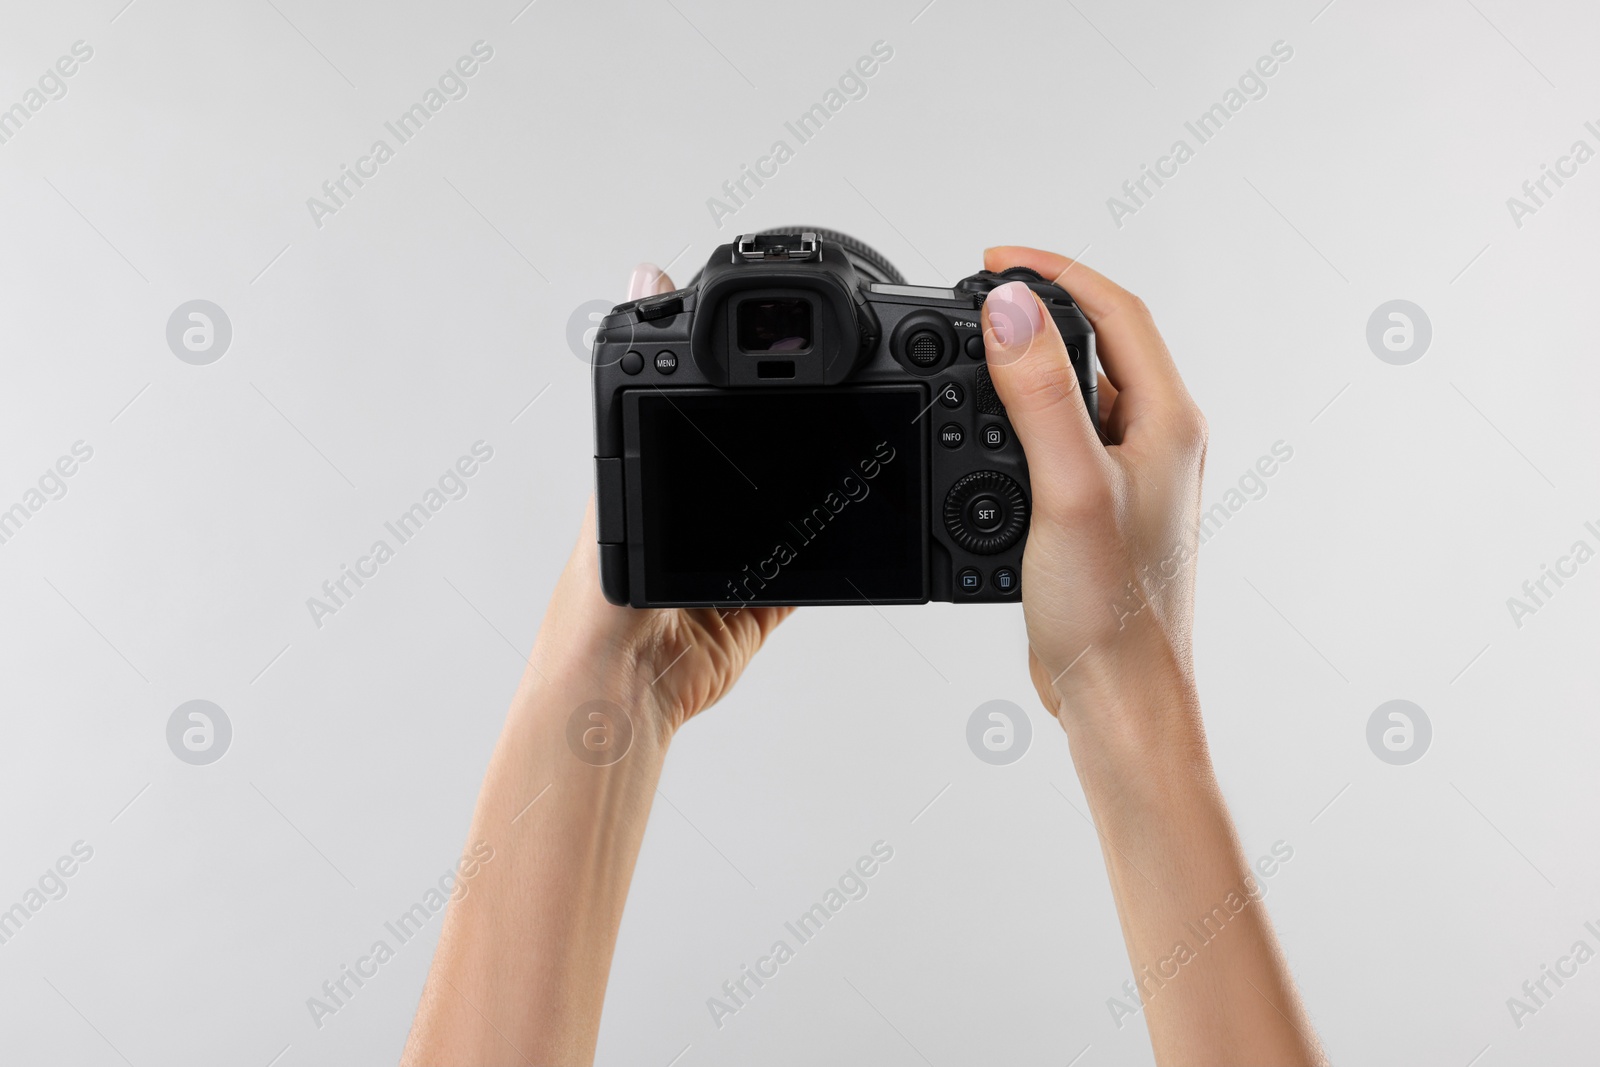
<point x="774" y="324"/>
<point x="779" y="496"/>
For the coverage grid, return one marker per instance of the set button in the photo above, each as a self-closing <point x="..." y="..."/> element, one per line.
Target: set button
<point x="985" y="514"/>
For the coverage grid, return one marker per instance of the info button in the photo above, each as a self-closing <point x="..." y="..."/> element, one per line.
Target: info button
<point x="952" y="435"/>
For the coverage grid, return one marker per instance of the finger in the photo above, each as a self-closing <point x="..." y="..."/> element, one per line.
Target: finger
<point x="1106" y="397"/>
<point x="767" y="620"/>
<point x="1135" y="357"/>
<point x="648" y="280"/>
<point x="748" y="628"/>
<point x="1033" y="374"/>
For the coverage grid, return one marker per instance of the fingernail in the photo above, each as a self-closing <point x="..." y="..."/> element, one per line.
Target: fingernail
<point x="643" y="281"/>
<point x="1014" y="315"/>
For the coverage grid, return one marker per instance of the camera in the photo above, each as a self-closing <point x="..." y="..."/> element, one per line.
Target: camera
<point x="800" y="426"/>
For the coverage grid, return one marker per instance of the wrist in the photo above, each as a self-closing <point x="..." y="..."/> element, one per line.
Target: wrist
<point x="591" y="686"/>
<point x="1117" y="667"/>
<point x="589" y="650"/>
<point x="1132" y="719"/>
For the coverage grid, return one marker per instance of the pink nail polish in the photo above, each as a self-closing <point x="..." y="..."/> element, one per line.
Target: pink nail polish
<point x="1014" y="315"/>
<point x="644" y="280"/>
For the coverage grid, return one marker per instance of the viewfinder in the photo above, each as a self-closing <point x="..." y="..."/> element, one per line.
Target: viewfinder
<point x="774" y="324"/>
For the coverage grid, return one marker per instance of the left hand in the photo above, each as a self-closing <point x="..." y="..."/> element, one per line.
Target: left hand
<point x="669" y="663"/>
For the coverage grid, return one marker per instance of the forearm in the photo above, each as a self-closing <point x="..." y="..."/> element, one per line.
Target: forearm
<point x="520" y="972"/>
<point x="1206" y="964"/>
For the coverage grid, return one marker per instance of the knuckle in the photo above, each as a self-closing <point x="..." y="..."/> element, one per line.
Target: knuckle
<point x="1193" y="432"/>
<point x="1077" y="501"/>
<point x="1130" y="304"/>
<point x="1182" y="428"/>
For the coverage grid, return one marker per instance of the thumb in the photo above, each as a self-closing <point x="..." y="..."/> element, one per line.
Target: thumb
<point x="1033" y="374"/>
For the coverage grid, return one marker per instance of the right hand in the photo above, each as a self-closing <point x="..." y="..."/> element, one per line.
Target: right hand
<point x="1108" y="573"/>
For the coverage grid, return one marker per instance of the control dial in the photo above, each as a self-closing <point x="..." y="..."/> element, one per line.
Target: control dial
<point x="986" y="512"/>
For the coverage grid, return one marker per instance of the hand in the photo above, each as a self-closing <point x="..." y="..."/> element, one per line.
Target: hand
<point x="1108" y="574"/>
<point x="1108" y="594"/>
<point x="667" y="663"/>
<point x="522" y="960"/>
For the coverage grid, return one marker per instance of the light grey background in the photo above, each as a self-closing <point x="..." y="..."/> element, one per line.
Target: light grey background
<point x="369" y="354"/>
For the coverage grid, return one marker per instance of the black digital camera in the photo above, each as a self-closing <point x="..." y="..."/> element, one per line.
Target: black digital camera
<point x="799" y="426"/>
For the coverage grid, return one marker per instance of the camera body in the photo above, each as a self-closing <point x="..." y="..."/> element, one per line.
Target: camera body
<point x="798" y="426"/>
